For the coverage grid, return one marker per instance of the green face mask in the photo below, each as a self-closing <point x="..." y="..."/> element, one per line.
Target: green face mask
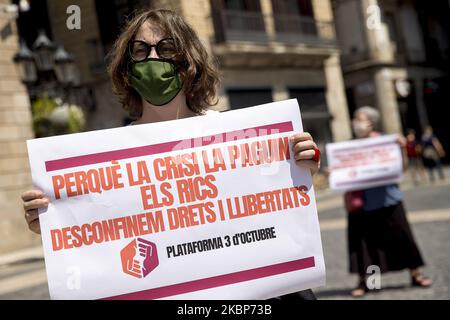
<point x="157" y="81"/>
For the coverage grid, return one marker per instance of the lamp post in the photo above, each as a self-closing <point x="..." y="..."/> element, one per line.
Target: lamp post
<point x="44" y="49"/>
<point x="47" y="68"/>
<point x="52" y="79"/>
<point x="65" y="71"/>
<point x="24" y="58"/>
<point x="64" y="66"/>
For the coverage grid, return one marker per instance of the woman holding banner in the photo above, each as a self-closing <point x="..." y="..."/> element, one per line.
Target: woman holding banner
<point x="161" y="71"/>
<point x="379" y="235"/>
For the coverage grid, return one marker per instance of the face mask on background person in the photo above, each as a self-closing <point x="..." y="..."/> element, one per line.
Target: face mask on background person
<point x="157" y="81"/>
<point x="361" y="128"/>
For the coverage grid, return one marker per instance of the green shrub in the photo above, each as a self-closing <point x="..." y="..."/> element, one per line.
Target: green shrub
<point x="51" y="117"/>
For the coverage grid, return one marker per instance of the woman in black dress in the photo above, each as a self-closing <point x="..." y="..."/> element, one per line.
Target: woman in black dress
<point x="378" y="231"/>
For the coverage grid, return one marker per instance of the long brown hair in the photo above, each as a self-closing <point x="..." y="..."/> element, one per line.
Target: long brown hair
<point x="198" y="71"/>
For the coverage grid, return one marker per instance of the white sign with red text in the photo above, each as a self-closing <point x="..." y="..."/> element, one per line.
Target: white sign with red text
<point x="364" y="163"/>
<point x="209" y="207"/>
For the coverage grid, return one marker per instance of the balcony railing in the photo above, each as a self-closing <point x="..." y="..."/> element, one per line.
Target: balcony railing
<point x="232" y="25"/>
<point x="240" y="25"/>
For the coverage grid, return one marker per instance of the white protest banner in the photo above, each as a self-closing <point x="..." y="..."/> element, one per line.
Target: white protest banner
<point x="208" y="207"/>
<point x="364" y="163"/>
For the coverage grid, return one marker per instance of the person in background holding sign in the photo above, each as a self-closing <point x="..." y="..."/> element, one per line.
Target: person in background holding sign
<point x="161" y="71"/>
<point x="378" y="231"/>
<point x="432" y="153"/>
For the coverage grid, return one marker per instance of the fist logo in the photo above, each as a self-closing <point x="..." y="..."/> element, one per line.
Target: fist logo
<point x="139" y="258"/>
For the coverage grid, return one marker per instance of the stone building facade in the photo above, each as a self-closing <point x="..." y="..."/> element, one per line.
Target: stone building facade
<point x="395" y="56"/>
<point x="15" y="129"/>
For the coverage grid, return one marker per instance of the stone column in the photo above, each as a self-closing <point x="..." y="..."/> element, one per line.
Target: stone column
<point x="15" y="129"/>
<point x="323" y="14"/>
<point x="336" y="99"/>
<point x="198" y="15"/>
<point x="387" y="101"/>
<point x="377" y="32"/>
<point x="267" y="12"/>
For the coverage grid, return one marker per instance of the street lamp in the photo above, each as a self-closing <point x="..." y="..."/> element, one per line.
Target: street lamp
<point x="64" y="66"/>
<point x="25" y="60"/>
<point x="46" y="68"/>
<point x="50" y="69"/>
<point x="44" y="49"/>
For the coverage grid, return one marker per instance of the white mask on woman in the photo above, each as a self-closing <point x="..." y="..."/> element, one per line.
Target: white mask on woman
<point x="361" y="128"/>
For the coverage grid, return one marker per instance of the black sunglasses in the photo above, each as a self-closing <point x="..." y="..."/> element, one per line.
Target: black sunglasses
<point x="140" y="50"/>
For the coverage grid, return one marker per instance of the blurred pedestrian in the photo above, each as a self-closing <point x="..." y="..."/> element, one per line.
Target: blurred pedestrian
<point x="414" y="153"/>
<point x="378" y="230"/>
<point x="432" y="153"/>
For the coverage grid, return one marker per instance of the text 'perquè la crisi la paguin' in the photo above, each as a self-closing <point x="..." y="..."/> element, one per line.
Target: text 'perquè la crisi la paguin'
<point x="177" y="191"/>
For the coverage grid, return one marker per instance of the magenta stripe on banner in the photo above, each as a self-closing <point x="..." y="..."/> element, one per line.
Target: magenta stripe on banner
<point x="108" y="156"/>
<point x="218" y="281"/>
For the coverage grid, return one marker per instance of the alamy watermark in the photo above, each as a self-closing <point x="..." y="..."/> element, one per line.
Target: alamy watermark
<point x="373" y="21"/>
<point x="373" y="281"/>
<point x="73" y="21"/>
<point x="74" y="278"/>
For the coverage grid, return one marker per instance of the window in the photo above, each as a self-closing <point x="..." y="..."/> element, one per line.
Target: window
<point x="310" y="99"/>
<point x="241" y="98"/>
<point x="111" y="16"/>
<point x="297" y="7"/>
<point x="294" y="17"/>
<point x="238" y="20"/>
<point x="244" y="5"/>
